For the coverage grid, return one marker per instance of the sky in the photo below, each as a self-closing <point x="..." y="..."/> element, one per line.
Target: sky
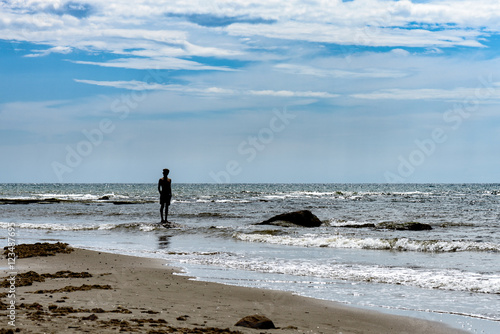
<point x="296" y="91"/>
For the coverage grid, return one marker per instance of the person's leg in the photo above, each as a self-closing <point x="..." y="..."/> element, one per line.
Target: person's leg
<point x="166" y="213"/>
<point x="161" y="212"/>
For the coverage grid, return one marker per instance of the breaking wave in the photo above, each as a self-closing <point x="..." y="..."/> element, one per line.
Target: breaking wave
<point x="442" y="279"/>
<point x="396" y="244"/>
<point x="145" y="227"/>
<point x="51" y="198"/>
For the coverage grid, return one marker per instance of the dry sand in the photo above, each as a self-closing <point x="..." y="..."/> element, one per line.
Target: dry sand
<point x="137" y="295"/>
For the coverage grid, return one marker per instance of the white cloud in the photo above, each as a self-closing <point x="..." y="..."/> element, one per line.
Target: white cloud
<point x="56" y="49"/>
<point x="354" y="35"/>
<point x="158" y="63"/>
<point x="400" y="52"/>
<point x="144" y="86"/>
<point x="288" y="93"/>
<point x="149" y="30"/>
<point x="478" y="94"/>
<point x="339" y="73"/>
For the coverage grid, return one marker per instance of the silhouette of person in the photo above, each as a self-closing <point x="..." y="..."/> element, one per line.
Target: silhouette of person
<point x="165" y="189"/>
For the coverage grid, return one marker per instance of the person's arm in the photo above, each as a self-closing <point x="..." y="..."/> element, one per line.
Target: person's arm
<point x="159" y="186"/>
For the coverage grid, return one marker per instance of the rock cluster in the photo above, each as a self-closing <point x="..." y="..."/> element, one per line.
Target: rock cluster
<point x="303" y="218"/>
<point x="409" y="226"/>
<point x="256" y="321"/>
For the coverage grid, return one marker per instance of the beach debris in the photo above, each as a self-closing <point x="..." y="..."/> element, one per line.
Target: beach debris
<point x="137" y="325"/>
<point x="33" y="306"/>
<point x="150" y="312"/>
<point x="290" y="327"/>
<point x="39" y="249"/>
<point x="24" y="279"/>
<point x="303" y="218"/>
<point x="7" y="331"/>
<point x="150" y="321"/>
<point x="121" y="309"/>
<point x="114" y="323"/>
<point x="256" y="321"/>
<point x="62" y="310"/>
<point x="91" y="317"/>
<point x="195" y="330"/>
<point x="27" y="278"/>
<point x="69" y="288"/>
<point x="3" y="305"/>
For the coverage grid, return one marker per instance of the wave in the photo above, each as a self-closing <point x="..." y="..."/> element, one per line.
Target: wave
<point x="50" y="226"/>
<point x="31" y="200"/>
<point x="74" y="198"/>
<point x="349" y="195"/>
<point x="121" y="196"/>
<point x="145" y="227"/>
<point x="390" y="225"/>
<point x="217" y="215"/>
<point x="395" y="244"/>
<point x="442" y="279"/>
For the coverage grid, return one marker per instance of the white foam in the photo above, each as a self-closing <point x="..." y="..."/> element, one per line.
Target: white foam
<point x="107" y="226"/>
<point x="443" y="279"/>
<point x="339" y="241"/>
<point x="80" y="227"/>
<point x="51" y="226"/>
<point x="148" y="227"/>
<point x="73" y="197"/>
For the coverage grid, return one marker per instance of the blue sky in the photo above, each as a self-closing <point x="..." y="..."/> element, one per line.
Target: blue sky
<point x="250" y="91"/>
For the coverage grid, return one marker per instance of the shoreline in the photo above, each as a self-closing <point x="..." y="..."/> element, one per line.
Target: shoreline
<point x="112" y="293"/>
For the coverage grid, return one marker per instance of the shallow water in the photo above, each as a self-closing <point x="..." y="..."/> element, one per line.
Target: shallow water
<point x="450" y="273"/>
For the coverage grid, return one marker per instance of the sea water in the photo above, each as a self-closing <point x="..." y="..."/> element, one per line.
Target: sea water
<point x="450" y="273"/>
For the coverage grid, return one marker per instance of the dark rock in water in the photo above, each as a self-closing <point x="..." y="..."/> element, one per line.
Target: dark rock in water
<point x="409" y="226"/>
<point x="367" y="225"/>
<point x="302" y="218"/>
<point x="104" y="198"/>
<point x="170" y="225"/>
<point x="414" y="226"/>
<point x="256" y="321"/>
<point x="31" y="201"/>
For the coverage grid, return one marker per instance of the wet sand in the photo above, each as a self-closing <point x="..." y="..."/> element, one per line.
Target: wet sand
<point x="93" y="292"/>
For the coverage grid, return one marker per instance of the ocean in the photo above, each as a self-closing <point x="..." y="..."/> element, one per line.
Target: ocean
<point x="450" y="273"/>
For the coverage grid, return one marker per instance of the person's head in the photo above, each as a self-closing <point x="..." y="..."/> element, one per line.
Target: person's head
<point x="166" y="171"/>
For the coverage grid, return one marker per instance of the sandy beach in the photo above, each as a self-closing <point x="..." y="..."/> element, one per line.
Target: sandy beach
<point x="94" y="292"/>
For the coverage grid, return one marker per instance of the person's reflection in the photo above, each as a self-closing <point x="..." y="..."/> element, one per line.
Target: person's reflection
<point x="164" y="241"/>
